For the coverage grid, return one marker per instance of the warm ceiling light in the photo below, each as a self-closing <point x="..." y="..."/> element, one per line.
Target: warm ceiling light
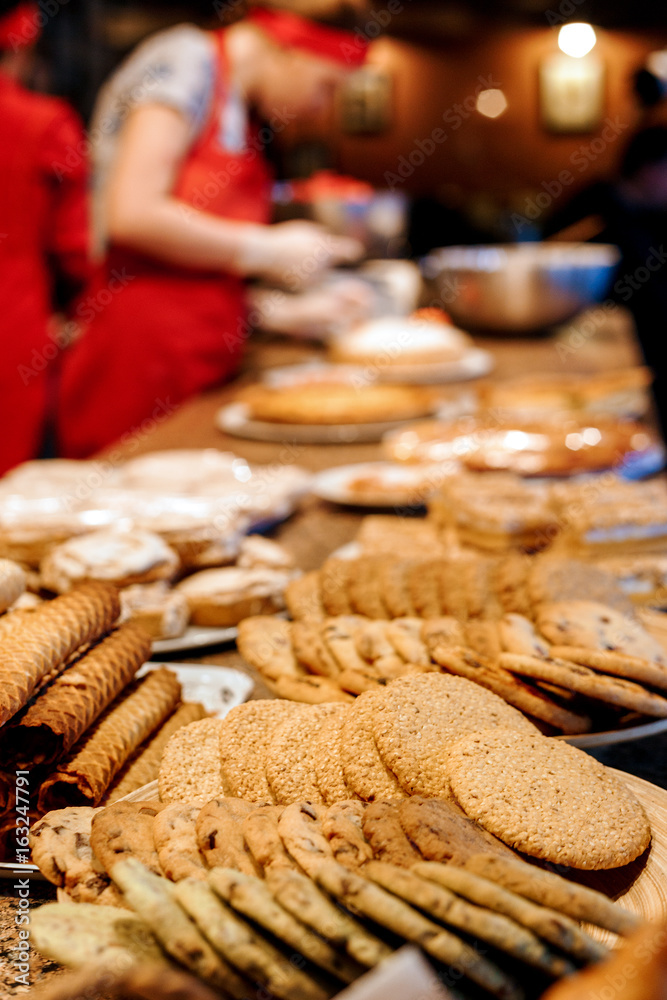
<point x="576" y="39"/>
<point x="491" y="103"/>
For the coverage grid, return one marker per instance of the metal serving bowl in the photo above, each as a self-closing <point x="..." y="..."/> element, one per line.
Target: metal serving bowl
<point x="520" y="288"/>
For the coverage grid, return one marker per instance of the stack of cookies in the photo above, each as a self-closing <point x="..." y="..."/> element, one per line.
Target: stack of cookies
<point x="72" y="714"/>
<point x="336" y="888"/>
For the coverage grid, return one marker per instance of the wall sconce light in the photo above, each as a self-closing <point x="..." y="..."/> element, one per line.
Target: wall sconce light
<point x="572" y="82"/>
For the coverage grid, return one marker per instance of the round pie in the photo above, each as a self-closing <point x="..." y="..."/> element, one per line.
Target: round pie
<point x="424" y="338"/>
<point x="336" y="402"/>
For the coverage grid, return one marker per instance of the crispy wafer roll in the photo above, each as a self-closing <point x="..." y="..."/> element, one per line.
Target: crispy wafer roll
<point x="62" y="713"/>
<point x="144" y="766"/>
<point x="7" y="794"/>
<point x="12" y="583"/>
<point x="56" y="629"/>
<point x="83" y="777"/>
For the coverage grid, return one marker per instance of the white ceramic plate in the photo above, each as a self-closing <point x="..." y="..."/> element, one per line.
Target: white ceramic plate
<point x="234" y="419"/>
<point x="217" y="688"/>
<point x="194" y="637"/>
<point x="397" y="485"/>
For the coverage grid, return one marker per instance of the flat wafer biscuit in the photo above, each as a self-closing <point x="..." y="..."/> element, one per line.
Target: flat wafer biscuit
<point x="547" y="799"/>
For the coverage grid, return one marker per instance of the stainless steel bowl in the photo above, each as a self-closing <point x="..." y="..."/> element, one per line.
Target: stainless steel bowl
<point x="520" y="288"/>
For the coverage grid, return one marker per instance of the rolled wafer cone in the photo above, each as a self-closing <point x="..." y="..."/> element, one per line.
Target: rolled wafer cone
<point x="55" y="630"/>
<point x="7" y="791"/>
<point x="12" y="583"/>
<point x="56" y="719"/>
<point x="144" y="766"/>
<point x="86" y="773"/>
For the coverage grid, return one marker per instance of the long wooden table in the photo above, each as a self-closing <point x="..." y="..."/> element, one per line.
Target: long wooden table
<point x="317" y="528"/>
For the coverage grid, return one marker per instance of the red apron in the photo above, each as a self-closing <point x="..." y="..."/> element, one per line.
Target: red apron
<point x="157" y="334"/>
<point x="43" y="229"/>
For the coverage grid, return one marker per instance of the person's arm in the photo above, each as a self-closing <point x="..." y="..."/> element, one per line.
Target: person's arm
<point x="143" y="214"/>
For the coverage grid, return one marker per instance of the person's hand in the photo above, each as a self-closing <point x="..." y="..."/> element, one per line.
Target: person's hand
<point x="294" y="254"/>
<point x="319" y="312"/>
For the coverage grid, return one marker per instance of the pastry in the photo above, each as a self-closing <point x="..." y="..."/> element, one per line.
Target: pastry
<point x="222" y="597"/>
<point x="427" y="337"/>
<point x="337" y="403"/>
<point x="120" y="557"/>
<point x="161" y="612"/>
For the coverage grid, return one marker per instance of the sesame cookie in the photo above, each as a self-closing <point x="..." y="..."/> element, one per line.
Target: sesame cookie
<point x="529" y="699"/>
<point x="416" y="718"/>
<point x="424" y="585"/>
<point x="190" y="768"/>
<point x="328" y="760"/>
<point x="363" y="768"/>
<point x="441" y="831"/>
<point x="395" y="589"/>
<point x="245" y="735"/>
<point x="383" y="831"/>
<point x="547" y="799"/>
<point x="220" y="834"/>
<point x="291" y="753"/>
<point x="175" y="839"/>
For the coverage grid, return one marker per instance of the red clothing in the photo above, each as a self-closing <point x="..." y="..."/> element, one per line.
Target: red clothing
<point x="165" y="332"/>
<point x="43" y="229"/>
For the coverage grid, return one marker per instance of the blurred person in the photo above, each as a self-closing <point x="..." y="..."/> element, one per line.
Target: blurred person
<point x="183" y="186"/>
<point x="44" y="244"/>
<point x="630" y="211"/>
